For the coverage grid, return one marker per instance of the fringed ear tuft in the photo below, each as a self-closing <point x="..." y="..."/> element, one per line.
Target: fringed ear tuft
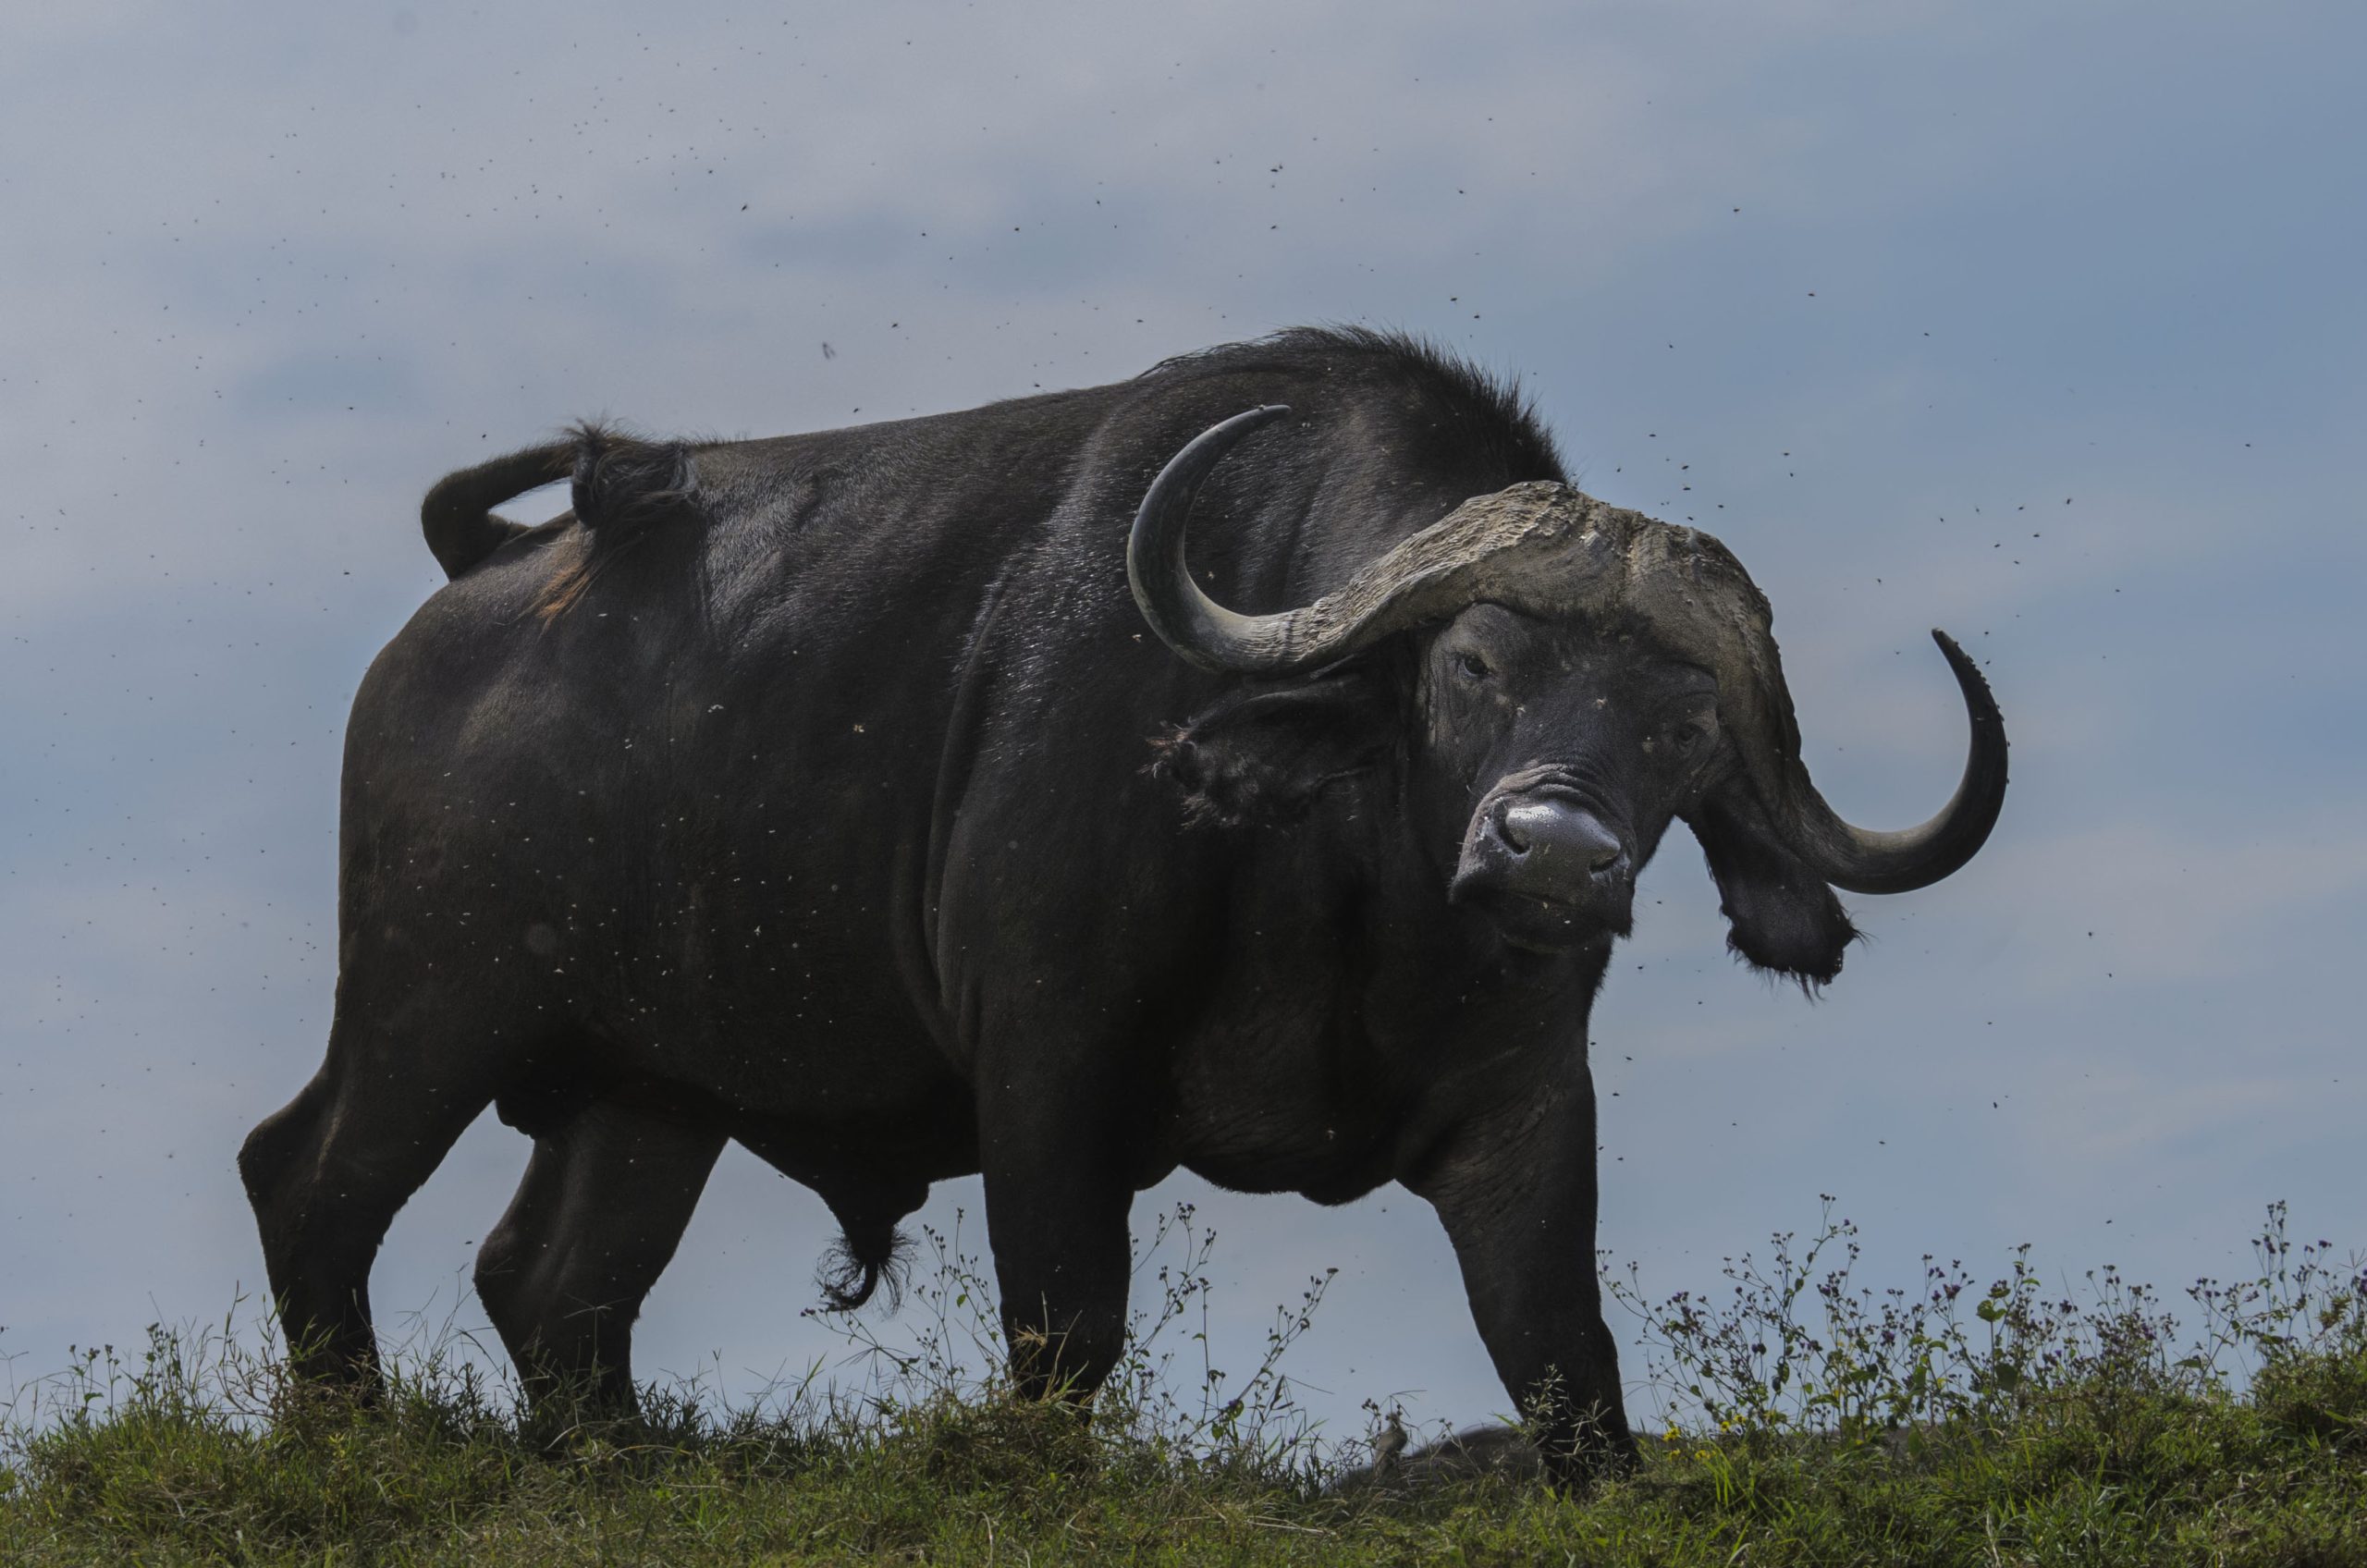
<point x="1265" y="755"/>
<point x="1781" y="916"/>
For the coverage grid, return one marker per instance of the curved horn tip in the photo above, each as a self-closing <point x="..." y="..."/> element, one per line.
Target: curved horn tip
<point x="1967" y="669"/>
<point x="1860" y="861"/>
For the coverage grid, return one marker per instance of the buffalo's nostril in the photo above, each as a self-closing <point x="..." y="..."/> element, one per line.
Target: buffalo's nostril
<point x="1557" y="833"/>
<point x="1549" y="870"/>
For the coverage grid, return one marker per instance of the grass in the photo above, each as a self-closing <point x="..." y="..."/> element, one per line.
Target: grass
<point x="1819" y="1423"/>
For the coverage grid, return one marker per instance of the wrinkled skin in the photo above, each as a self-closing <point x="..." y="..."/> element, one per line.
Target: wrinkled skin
<point x="846" y="809"/>
<point x="1578" y="750"/>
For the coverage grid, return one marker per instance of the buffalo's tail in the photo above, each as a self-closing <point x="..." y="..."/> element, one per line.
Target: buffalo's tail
<point x="866" y="1256"/>
<point x="458" y="516"/>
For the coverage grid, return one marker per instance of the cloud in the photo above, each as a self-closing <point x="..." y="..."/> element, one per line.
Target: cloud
<point x="2217" y="899"/>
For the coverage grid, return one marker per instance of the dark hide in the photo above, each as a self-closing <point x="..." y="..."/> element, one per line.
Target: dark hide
<point x="829" y="793"/>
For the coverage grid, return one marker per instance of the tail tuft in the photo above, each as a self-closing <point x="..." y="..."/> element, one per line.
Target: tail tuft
<point x="624" y="487"/>
<point x="623" y="482"/>
<point x="859" y="1263"/>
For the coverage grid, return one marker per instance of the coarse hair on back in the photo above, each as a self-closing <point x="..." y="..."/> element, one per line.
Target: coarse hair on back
<point x="1493" y="419"/>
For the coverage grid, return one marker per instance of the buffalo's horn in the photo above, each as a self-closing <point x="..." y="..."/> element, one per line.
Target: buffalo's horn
<point x="1185" y="618"/>
<point x="1860" y="859"/>
<point x="1485" y="548"/>
<point x="1545" y="549"/>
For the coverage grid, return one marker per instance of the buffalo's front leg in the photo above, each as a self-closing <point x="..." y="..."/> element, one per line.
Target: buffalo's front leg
<point x="1058" y="1195"/>
<point x="1516" y="1189"/>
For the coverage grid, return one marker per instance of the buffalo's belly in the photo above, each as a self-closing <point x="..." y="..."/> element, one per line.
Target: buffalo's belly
<point x="828" y="1147"/>
<point x="1321" y="1168"/>
<point x="1274" y="1092"/>
<point x="1254" y="1131"/>
<point x="779" y="1010"/>
<point x="787" y="1017"/>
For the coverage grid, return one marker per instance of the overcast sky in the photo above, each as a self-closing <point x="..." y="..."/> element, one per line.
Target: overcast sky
<point x="2041" y="323"/>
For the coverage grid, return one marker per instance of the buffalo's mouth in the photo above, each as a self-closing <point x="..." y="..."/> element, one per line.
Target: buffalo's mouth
<point x="1540" y="925"/>
<point x="1547" y="870"/>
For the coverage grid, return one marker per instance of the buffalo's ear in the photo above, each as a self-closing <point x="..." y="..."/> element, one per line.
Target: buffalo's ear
<point x="1263" y="754"/>
<point x="1782" y="915"/>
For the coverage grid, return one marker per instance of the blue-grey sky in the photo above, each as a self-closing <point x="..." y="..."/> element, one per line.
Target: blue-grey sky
<point x="2041" y="324"/>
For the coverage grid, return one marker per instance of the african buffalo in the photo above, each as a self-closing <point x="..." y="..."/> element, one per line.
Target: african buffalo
<point x="876" y="799"/>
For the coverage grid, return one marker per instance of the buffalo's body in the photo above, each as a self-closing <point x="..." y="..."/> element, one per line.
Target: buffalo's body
<point x="802" y="792"/>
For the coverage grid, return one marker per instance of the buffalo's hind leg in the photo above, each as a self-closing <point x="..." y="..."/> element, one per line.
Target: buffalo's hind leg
<point x="327" y="1171"/>
<point x="606" y="1200"/>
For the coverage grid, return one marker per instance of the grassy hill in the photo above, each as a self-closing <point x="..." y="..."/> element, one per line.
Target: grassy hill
<point x="1957" y="1422"/>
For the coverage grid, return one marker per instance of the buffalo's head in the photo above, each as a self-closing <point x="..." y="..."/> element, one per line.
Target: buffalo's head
<point x="1575" y="677"/>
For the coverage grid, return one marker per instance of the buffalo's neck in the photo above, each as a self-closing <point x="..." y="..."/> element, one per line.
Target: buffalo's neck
<point x="1359" y="1023"/>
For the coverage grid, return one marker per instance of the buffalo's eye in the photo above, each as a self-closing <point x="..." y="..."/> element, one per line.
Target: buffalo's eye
<point x="1688" y="734"/>
<point x="1474" y="668"/>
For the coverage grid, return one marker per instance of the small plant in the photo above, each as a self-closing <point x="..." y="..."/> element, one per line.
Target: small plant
<point x="1796" y="1346"/>
<point x="1258" y="1422"/>
<point x="1167" y="1399"/>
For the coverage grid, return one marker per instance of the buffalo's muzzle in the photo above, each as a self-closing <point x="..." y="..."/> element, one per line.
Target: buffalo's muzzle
<point x="1549" y="869"/>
